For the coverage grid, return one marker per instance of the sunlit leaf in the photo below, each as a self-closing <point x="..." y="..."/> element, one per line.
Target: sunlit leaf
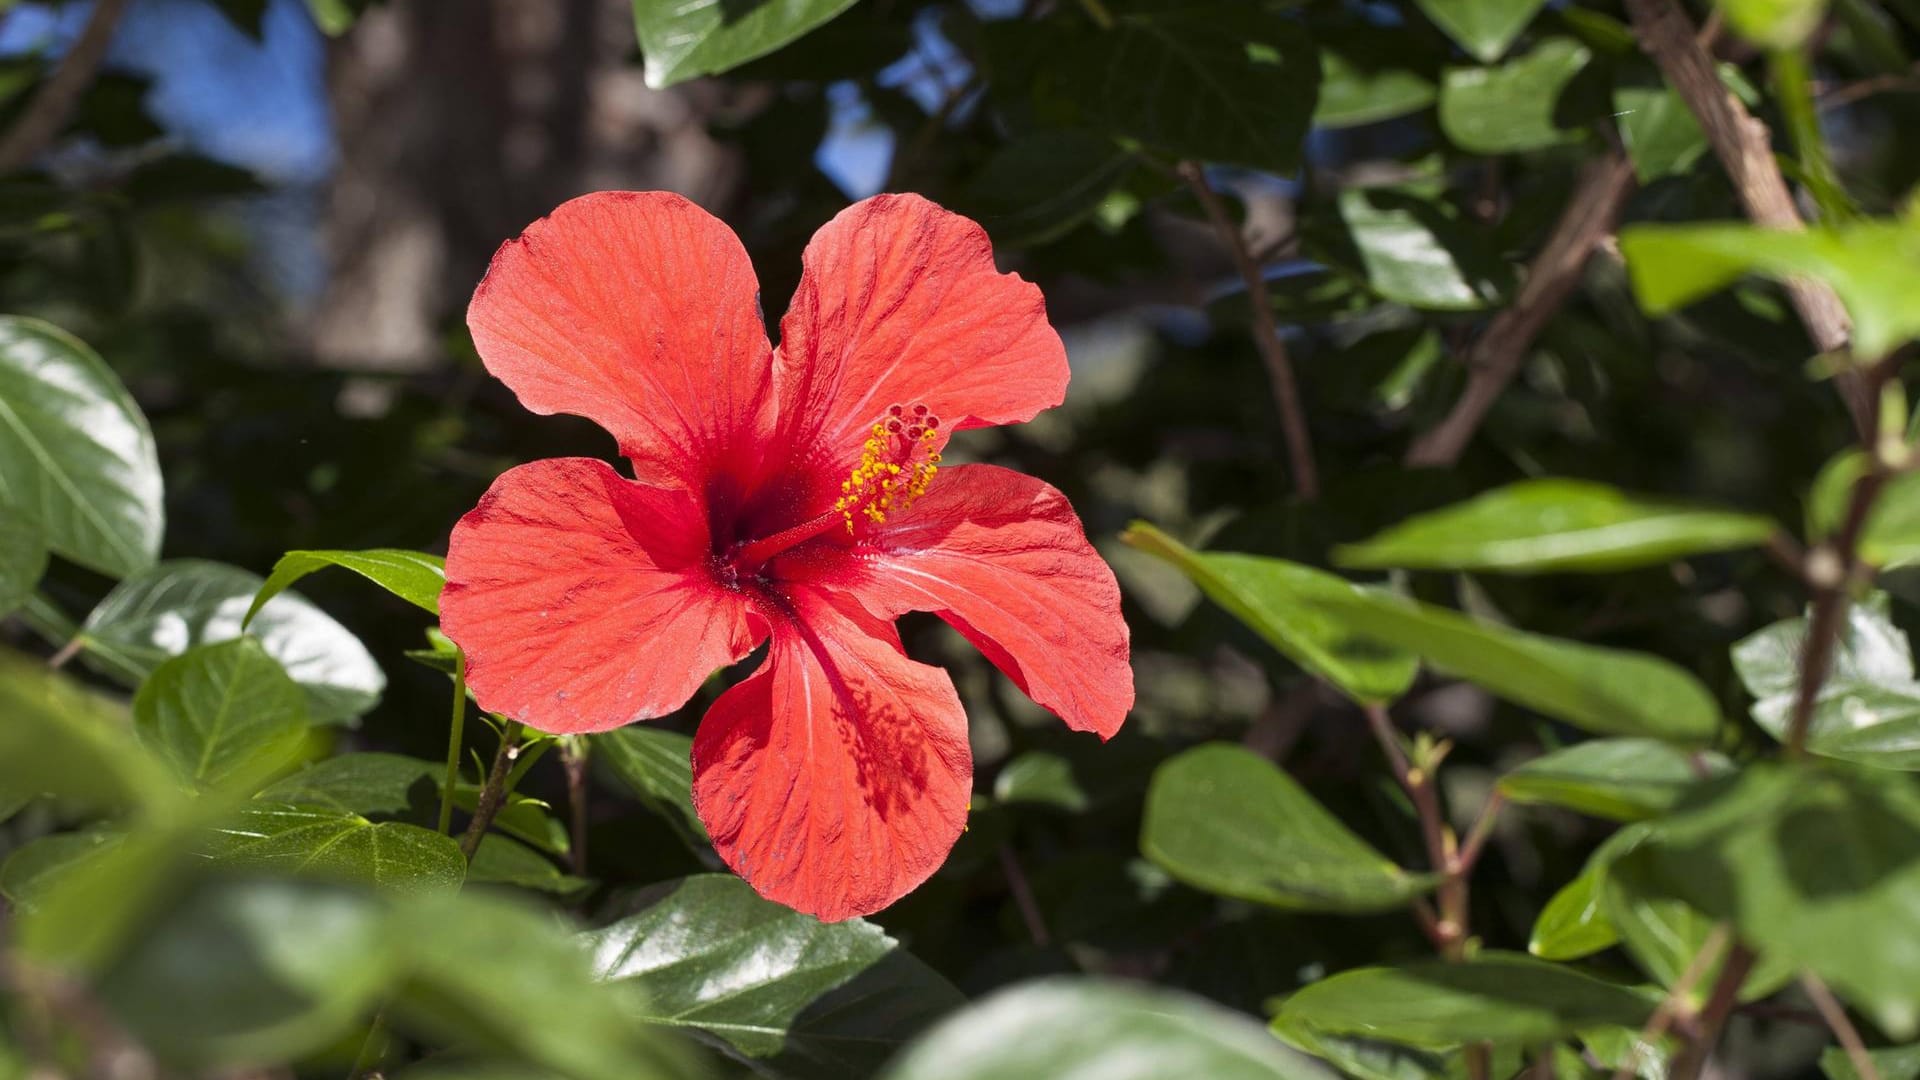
<point x="410" y="575"/>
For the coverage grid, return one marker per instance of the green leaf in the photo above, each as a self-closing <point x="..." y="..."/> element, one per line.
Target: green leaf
<point x="800" y="997"/>
<point x="1891" y="536"/>
<point x="370" y="784"/>
<point x="1775" y="24"/>
<point x="681" y="41"/>
<point x="1892" y="1063"/>
<point x="657" y="766"/>
<point x="1353" y="91"/>
<point x="1224" y="819"/>
<point x="39" y="863"/>
<point x="76" y="456"/>
<point x="1370" y="1059"/>
<point x="1605" y="691"/>
<point x="1514" y="107"/>
<point x="222" y="713"/>
<point x="501" y="861"/>
<point x="1037" y="187"/>
<point x="1659" y="131"/>
<point x="1818" y="867"/>
<point x="524" y="816"/>
<point x="1081" y="1027"/>
<point x="1868" y="708"/>
<point x="1043" y="779"/>
<point x="59" y="739"/>
<point x="1574" y="924"/>
<point x="248" y="973"/>
<point x="1485" y="28"/>
<point x="1870" y="263"/>
<point x="327" y="843"/>
<point x="336" y="17"/>
<point x="1619" y="779"/>
<point x="412" y="576"/>
<point x="1212" y="80"/>
<point x="1555" y="525"/>
<point x="1496" y="997"/>
<point x="1663" y="935"/>
<point x="1273" y="597"/>
<point x="1415" y="251"/>
<point x="23" y="560"/>
<point x="166" y="610"/>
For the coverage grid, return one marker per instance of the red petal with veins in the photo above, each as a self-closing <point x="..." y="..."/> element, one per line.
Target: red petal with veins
<point x="1002" y="557"/>
<point x="584" y="601"/>
<point x="899" y="302"/>
<point x="639" y="311"/>
<point x="836" y="777"/>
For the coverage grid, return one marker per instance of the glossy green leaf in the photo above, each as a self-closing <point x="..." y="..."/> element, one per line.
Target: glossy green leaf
<point x="1224" y="819"/>
<point x="1063" y="1027"/>
<point x="76" y="456"/>
<point x="166" y="610"/>
<point x="370" y="784"/>
<point x="503" y="861"/>
<point x="1892" y="1063"/>
<point x="1370" y="1059"/>
<point x="1415" y="251"/>
<point x="1868" y="708"/>
<point x="690" y="38"/>
<point x="57" y="738"/>
<point x="412" y="576"/>
<point x="23" y="560"/>
<point x="774" y="987"/>
<point x="1516" y="106"/>
<point x="1040" y="778"/>
<point x="1272" y="596"/>
<point x="1555" y="525"/>
<point x="327" y="843"/>
<point x="1870" y="264"/>
<point x="1819" y="866"/>
<point x="1496" y="997"/>
<point x="657" y="767"/>
<point x="1605" y="691"/>
<point x="222" y="713"/>
<point x="1619" y="779"/>
<point x="1657" y="129"/>
<point x="1353" y="91"/>
<point x="1574" y="924"/>
<point x="1485" y="28"/>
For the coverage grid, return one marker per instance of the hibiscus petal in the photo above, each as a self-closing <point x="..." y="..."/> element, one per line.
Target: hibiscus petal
<point x="583" y="599"/>
<point x="639" y="311"/>
<point x="899" y="302"/>
<point x="836" y="777"/>
<point x="1002" y="557"/>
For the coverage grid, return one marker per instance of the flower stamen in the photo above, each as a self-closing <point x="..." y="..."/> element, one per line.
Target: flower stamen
<point x="897" y="463"/>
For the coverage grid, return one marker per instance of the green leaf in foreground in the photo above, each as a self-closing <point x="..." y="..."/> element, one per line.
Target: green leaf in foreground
<point x="1541" y="525"/>
<point x="1089" y="1027"/>
<point x="1619" y="779"/>
<point x="1606" y="691"/>
<point x="685" y="40"/>
<point x="221" y="713"/>
<point x="1224" y="819"/>
<point x="58" y="738"/>
<point x="76" y="456"/>
<point x="1275" y="599"/>
<point x="1868" y="708"/>
<point x="412" y="576"/>
<point x="330" y="844"/>
<point x="23" y="560"/>
<point x="766" y="983"/>
<point x="1496" y="997"/>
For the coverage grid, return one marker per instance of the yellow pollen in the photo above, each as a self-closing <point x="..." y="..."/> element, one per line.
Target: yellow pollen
<point x="896" y="465"/>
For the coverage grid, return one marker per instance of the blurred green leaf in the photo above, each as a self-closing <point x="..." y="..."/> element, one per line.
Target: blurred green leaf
<point x="503" y="861"/>
<point x="1517" y="106"/>
<point x="1370" y="1059"/>
<point x="222" y="713"/>
<point x="1574" y="924"/>
<point x="1555" y="525"/>
<point x="410" y="575"/>
<point x="1776" y="24"/>
<point x="38" y="863"/>
<point x="1063" y="1027"/>
<point x="1496" y="997"/>
<point x="166" y="610"/>
<point x="1868" y="707"/>
<point x="1871" y="264"/>
<point x="76" y="456"/>
<point x="1663" y="934"/>
<point x="1605" y="691"/>
<point x="1040" y="778"/>
<point x="774" y="987"/>
<point x="1273" y="597"/>
<point x="336" y="17"/>
<point x="1414" y="251"/>
<point x="657" y="767"/>
<point x="329" y="844"/>
<point x="60" y="739"/>
<point x="1619" y="779"/>
<point x="1657" y="129"/>
<point x="681" y="41"/>
<point x="1892" y="1063"/>
<point x="1224" y="819"/>
<point x="23" y="559"/>
<point x="1354" y="92"/>
<point x="1485" y="28"/>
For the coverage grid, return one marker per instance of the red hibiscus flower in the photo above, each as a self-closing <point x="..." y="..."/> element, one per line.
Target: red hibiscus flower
<point x="792" y="494"/>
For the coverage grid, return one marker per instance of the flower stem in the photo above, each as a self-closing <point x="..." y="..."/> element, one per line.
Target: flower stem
<point x="493" y="794"/>
<point x="573" y="755"/>
<point x="455" y="733"/>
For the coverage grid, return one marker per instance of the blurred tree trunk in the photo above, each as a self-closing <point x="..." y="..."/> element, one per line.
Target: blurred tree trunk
<point x="459" y="122"/>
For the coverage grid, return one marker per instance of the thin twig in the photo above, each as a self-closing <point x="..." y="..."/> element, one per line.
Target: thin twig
<point x="1836" y="1017"/>
<point x="1844" y="94"/>
<point x="573" y="759"/>
<point x="1266" y="335"/>
<point x="53" y="104"/>
<point x="1675" y="1003"/>
<point x="1482" y="829"/>
<point x="1417" y="782"/>
<point x="1720" y="1003"/>
<point x="493" y="794"/>
<point x="67" y="652"/>
<point x="1023" y="897"/>
<point x="1553" y="276"/>
<point x="456" y="731"/>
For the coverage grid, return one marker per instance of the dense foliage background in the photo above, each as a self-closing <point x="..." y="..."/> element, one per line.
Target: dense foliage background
<point x="1322" y="267"/>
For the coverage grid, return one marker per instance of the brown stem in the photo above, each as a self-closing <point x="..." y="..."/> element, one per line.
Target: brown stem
<point x="1266" y="335"/>
<point x="1450" y="931"/>
<point x="1726" y="994"/>
<point x="53" y="104"/>
<point x="1023" y="897"/>
<point x="1745" y="149"/>
<point x="67" y="652"/>
<point x="493" y="794"/>
<point x="1674" y="1004"/>
<point x="1495" y="358"/>
<point x="573" y="759"/>
<point x="1843" y="1029"/>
